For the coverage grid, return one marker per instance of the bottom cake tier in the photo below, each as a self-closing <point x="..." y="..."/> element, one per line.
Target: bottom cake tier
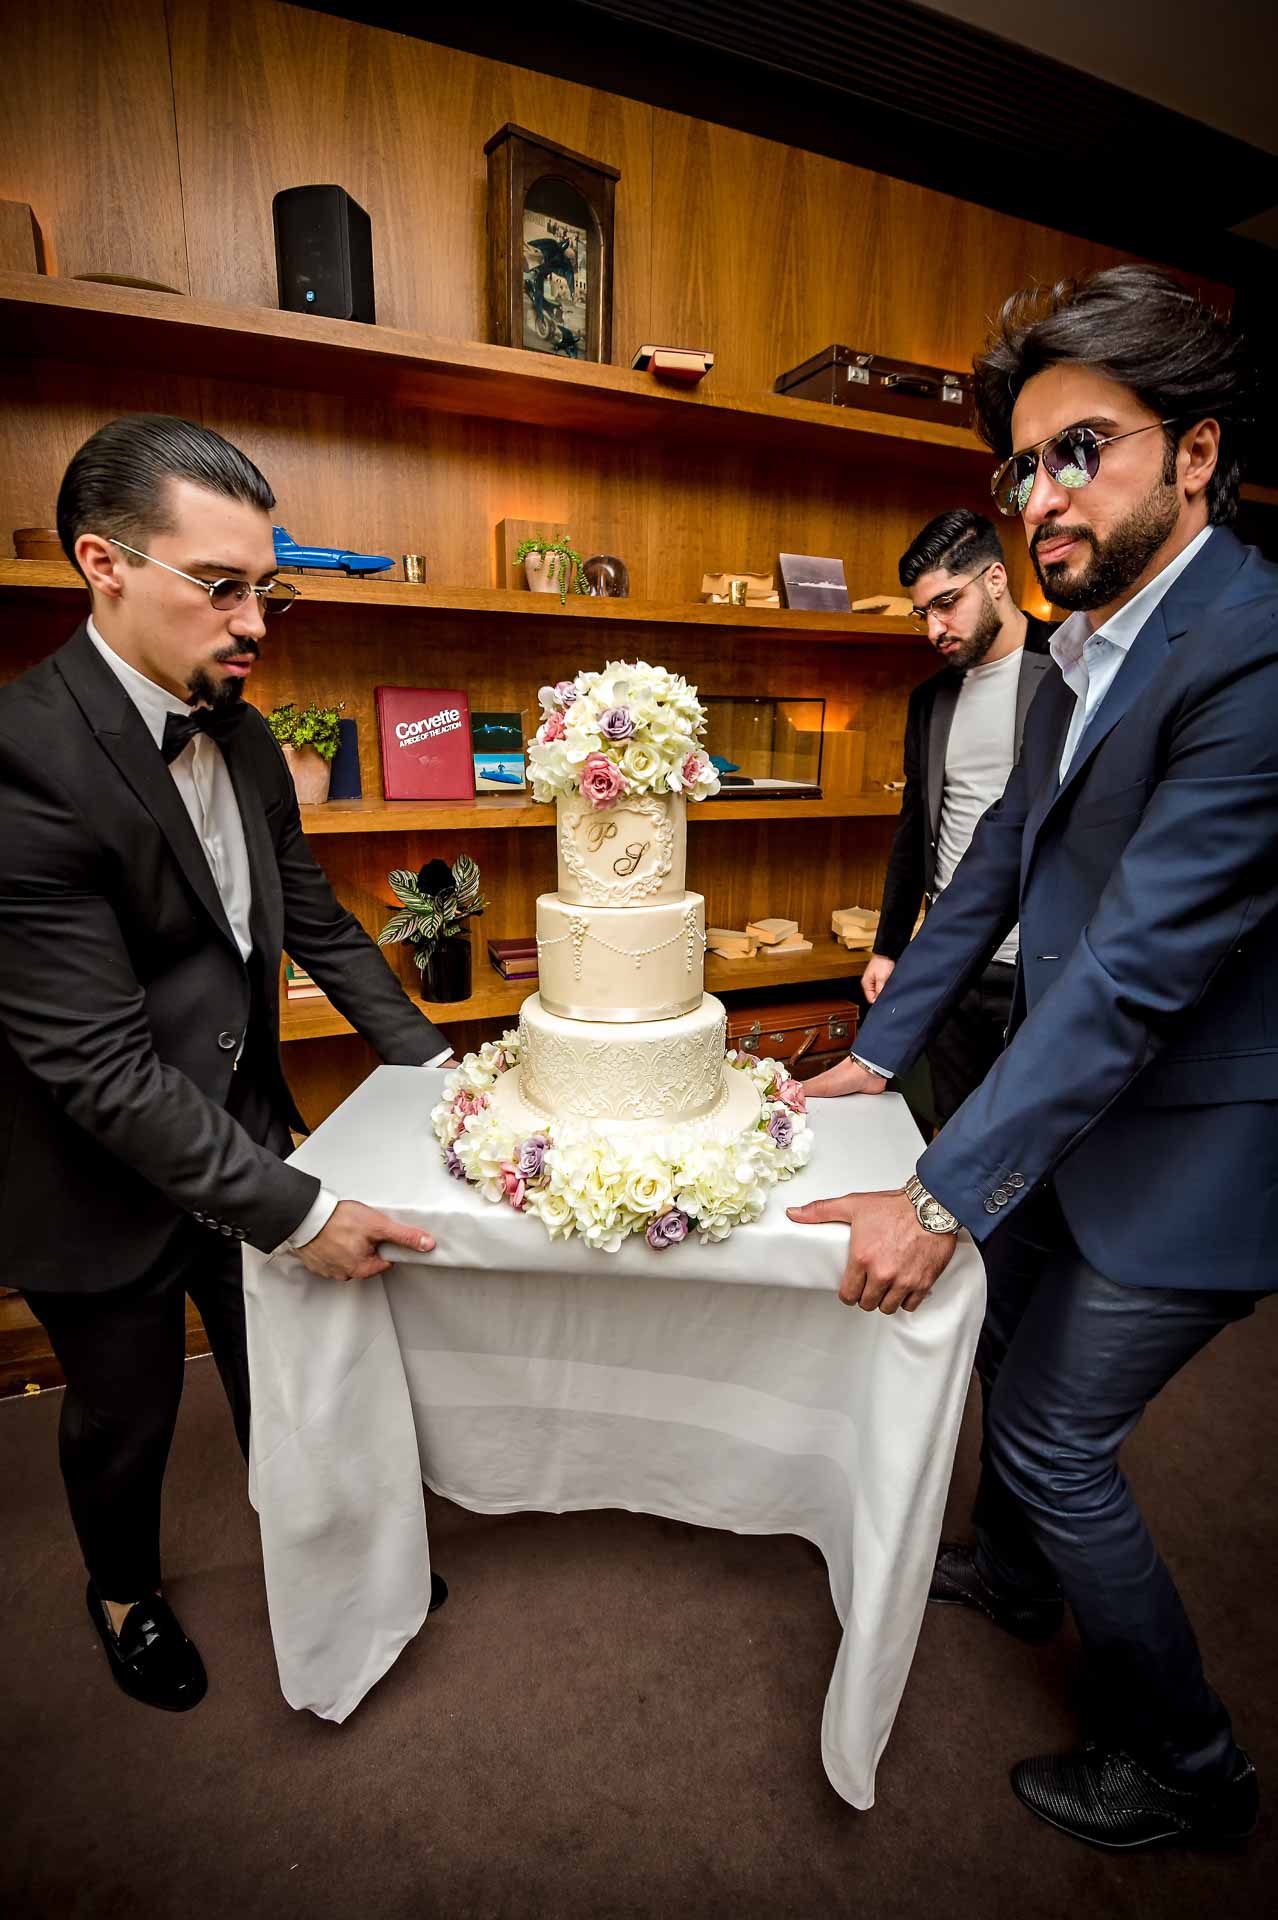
<point x="663" y="1071"/>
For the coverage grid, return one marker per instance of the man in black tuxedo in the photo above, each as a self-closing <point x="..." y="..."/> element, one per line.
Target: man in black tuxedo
<point x="152" y="868"/>
<point x="963" y="733"/>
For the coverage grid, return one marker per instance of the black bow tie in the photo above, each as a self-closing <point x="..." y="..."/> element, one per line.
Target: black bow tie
<point x="218" y="722"/>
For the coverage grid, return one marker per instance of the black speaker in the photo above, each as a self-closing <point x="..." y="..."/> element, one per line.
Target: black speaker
<point x="324" y="253"/>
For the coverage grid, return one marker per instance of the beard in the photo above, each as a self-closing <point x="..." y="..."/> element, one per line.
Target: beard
<point x="1117" y="561"/>
<point x="220" y="694"/>
<point x="971" y="651"/>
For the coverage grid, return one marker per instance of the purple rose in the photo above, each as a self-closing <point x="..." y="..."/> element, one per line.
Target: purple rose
<point x="454" y="1165"/>
<point x="531" y="1157"/>
<point x="667" y="1230"/>
<point x="617" y="724"/>
<point x="781" y="1129"/>
<point x="566" y="693"/>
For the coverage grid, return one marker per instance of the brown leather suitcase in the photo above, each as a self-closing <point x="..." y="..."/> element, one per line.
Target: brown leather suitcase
<point x="846" y="377"/>
<point x="809" y="1035"/>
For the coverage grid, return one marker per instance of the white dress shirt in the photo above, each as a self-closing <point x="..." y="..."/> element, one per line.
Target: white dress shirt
<point x="1089" y="662"/>
<point x="202" y="779"/>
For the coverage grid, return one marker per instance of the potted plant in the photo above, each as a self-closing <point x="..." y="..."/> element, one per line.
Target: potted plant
<point x="308" y="738"/>
<point x="436" y="905"/>
<point x="551" y="566"/>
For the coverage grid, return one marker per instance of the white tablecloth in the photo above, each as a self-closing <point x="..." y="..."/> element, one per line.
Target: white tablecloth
<point x="724" y="1385"/>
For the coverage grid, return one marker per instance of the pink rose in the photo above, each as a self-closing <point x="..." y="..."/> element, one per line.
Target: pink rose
<point x="554" y="727"/>
<point x="691" y="769"/>
<point x="513" y="1185"/>
<point x="791" y="1095"/>
<point x="601" y="781"/>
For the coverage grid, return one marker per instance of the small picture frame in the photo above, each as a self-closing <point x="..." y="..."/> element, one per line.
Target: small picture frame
<point x="497" y="743"/>
<point x="550" y="227"/>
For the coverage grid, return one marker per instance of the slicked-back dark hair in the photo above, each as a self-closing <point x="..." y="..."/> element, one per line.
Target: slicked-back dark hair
<point x="1138" y="326"/>
<point x="118" y="482"/>
<point x="956" y="541"/>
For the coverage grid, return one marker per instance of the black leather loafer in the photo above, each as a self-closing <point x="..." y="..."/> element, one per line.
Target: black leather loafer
<point x="438" y="1592"/>
<point x="957" y="1582"/>
<point x="150" y="1658"/>
<point x="1102" y="1795"/>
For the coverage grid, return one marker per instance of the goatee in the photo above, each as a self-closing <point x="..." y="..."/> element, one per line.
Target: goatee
<point x="971" y="652"/>
<point x="1117" y="561"/>
<point x="221" y="695"/>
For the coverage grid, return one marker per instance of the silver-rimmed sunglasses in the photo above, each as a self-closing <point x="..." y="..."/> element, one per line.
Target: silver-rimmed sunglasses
<point x="225" y="595"/>
<point x="1072" y="458"/>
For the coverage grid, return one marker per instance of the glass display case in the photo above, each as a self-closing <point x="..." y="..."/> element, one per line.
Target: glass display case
<point x="765" y="746"/>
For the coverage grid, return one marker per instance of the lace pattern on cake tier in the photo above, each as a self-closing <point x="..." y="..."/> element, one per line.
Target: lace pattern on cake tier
<point x="579" y="932"/>
<point x="639" y="868"/>
<point x="679" y="1078"/>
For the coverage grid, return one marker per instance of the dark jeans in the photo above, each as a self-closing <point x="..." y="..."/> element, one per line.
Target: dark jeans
<point x="1068" y="1362"/>
<point x="123" y="1354"/>
<point x="971" y="1040"/>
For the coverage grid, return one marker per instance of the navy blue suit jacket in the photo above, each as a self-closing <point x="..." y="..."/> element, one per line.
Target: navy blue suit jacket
<point x="1141" y="1072"/>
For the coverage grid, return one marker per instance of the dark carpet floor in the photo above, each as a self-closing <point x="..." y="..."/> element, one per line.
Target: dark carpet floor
<point x="614" y="1716"/>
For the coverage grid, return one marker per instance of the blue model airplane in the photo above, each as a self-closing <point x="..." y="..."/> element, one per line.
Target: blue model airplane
<point x="333" y="559"/>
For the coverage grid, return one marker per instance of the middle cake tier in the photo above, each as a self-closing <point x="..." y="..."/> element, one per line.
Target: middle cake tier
<point x="621" y="965"/>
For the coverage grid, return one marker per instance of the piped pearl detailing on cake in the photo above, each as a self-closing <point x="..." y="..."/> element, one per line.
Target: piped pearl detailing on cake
<point x="579" y="931"/>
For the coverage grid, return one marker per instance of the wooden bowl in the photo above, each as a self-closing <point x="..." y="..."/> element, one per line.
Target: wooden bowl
<point x="37" y="543"/>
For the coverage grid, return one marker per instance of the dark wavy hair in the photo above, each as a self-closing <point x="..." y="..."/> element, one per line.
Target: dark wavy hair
<point x="117" y="482"/>
<point x="1138" y="326"/>
<point x="955" y="540"/>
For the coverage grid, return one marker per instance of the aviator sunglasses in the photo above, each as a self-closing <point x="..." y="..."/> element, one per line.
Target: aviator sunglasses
<point x="225" y="595"/>
<point x="1072" y="458"/>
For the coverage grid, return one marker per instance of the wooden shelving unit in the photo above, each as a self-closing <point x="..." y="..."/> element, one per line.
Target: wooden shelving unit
<point x="494" y="813"/>
<point x="495" y="998"/>
<point x="318" y="592"/>
<point x="160" y="333"/>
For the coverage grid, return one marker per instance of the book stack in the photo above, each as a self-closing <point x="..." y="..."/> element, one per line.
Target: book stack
<point x="514" y="959"/>
<point x="759" y="589"/>
<point x="769" y="937"/>
<point x="854" y="928"/>
<point x="298" y="984"/>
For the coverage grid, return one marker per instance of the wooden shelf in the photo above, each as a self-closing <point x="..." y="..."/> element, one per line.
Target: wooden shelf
<point x="161" y="333"/>
<point x="495" y="998"/>
<point x="1258" y="496"/>
<point x="496" y="813"/>
<point x="318" y="592"/>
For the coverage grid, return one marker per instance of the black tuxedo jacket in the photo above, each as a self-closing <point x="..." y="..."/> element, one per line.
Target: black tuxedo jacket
<point x="123" y="996"/>
<point x="911" y="872"/>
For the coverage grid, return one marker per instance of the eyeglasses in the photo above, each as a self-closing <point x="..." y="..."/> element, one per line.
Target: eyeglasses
<point x="225" y="595"/>
<point x="942" y="603"/>
<point x="1072" y="458"/>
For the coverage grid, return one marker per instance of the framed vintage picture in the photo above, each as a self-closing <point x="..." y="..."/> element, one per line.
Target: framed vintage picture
<point x="550" y="221"/>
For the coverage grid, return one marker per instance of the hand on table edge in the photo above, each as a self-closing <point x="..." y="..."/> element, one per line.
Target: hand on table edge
<point x="893" y="1261"/>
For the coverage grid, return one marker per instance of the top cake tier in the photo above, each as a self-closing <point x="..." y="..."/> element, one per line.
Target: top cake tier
<point x="627" y="855"/>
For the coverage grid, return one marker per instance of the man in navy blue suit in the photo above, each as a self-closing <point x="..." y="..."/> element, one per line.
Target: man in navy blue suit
<point x="1117" y="1162"/>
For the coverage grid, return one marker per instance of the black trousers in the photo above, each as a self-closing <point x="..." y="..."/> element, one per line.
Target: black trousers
<point x="969" y="1043"/>
<point x="123" y="1354"/>
<point x="1068" y="1362"/>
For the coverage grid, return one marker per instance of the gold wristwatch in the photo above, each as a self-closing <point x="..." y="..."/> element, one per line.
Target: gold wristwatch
<point x="933" y="1217"/>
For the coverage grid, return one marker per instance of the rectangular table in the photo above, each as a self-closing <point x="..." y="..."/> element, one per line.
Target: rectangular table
<point x="724" y="1385"/>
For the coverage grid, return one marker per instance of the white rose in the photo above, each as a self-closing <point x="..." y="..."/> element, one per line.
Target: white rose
<point x="639" y="763"/>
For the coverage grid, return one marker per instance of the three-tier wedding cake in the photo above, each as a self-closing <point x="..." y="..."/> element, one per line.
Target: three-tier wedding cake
<point x="615" y="1108"/>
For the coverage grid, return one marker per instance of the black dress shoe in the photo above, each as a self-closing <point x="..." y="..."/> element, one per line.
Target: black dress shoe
<point x="1103" y="1796"/>
<point x="150" y="1658"/>
<point x="957" y="1581"/>
<point x="438" y="1592"/>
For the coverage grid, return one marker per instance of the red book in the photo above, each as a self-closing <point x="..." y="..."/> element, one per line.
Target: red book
<point x="426" y="752"/>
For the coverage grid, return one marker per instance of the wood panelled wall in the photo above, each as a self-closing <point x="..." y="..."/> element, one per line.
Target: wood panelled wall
<point x="150" y="138"/>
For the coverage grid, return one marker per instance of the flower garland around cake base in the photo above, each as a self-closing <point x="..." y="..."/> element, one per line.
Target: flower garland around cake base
<point x="689" y="1178"/>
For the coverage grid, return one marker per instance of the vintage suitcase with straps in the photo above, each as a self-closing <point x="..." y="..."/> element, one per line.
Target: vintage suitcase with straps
<point x="847" y="377"/>
<point x="809" y="1035"/>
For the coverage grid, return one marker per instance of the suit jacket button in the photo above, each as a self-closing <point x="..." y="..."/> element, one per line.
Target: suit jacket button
<point x="227" y="1041"/>
<point x="991" y="1206"/>
<point x="1001" y="1195"/>
<point x="1016" y="1179"/>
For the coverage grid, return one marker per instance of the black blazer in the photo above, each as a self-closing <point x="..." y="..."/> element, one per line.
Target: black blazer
<point x="912" y="862"/>
<point x="123" y="996"/>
